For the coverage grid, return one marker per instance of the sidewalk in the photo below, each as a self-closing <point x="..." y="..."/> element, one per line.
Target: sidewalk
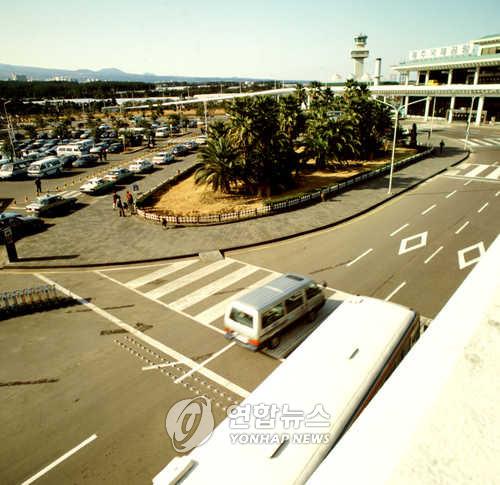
<point x="95" y="235"/>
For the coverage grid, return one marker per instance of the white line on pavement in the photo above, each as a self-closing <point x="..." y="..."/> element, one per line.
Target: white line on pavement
<point x="428" y="209"/>
<point x="495" y="175"/>
<point x="60" y="460"/>
<point x="205" y="362"/>
<point x="388" y="297"/>
<point x="462" y="227"/>
<point x="149" y="340"/>
<point x="400" y="229"/>
<point x="483" y="207"/>
<point x="468" y="182"/>
<point x="159" y="366"/>
<point x="145" y="295"/>
<point x="451" y="194"/>
<point x="476" y="171"/>
<point x="187" y="279"/>
<point x="148" y="278"/>
<point x="496" y="195"/>
<point x="433" y="254"/>
<point x="360" y="256"/>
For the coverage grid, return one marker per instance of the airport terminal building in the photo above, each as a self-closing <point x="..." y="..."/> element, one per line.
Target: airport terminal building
<point x="459" y="78"/>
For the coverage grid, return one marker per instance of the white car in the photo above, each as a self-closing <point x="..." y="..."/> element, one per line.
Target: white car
<point x="96" y="184"/>
<point x="140" y="166"/>
<point x="201" y="140"/>
<point x="163" y="158"/>
<point x="118" y="174"/>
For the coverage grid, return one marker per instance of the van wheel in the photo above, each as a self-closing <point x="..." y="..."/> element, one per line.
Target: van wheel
<point x="273" y="342"/>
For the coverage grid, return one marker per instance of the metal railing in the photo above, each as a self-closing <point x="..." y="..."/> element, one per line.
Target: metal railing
<point x="29" y="300"/>
<point x="273" y="208"/>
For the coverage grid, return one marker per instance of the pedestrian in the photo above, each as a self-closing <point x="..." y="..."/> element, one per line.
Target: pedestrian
<point x="105" y="154"/>
<point x="115" y="199"/>
<point x="130" y="201"/>
<point x="100" y="155"/>
<point x="120" y="207"/>
<point x="38" y="185"/>
<point x="441" y="146"/>
<point x="323" y="196"/>
<point x="164" y="223"/>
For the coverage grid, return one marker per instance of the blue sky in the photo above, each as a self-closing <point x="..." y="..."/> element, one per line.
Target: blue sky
<point x="274" y="38"/>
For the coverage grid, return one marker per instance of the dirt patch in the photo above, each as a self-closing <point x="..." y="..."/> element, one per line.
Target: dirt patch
<point x="187" y="198"/>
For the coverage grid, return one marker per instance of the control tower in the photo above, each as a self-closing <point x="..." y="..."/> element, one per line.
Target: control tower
<point x="359" y="54"/>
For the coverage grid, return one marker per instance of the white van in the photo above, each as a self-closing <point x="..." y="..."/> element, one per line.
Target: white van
<point x="257" y="317"/>
<point x="71" y="149"/>
<point x="45" y="167"/>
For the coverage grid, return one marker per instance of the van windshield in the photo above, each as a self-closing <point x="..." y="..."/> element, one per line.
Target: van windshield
<point x="241" y="317"/>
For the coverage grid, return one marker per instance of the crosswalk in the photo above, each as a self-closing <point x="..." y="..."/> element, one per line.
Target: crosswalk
<point x="70" y="193"/>
<point x="476" y="171"/>
<point x="482" y="142"/>
<point x="198" y="289"/>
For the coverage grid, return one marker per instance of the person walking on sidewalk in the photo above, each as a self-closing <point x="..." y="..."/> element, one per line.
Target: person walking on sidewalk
<point x="120" y="207"/>
<point x="130" y="201"/>
<point x="115" y="199"/>
<point x="441" y="146"/>
<point x="38" y="185"/>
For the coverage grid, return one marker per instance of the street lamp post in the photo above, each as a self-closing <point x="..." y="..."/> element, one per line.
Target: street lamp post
<point x="432" y="118"/>
<point x="9" y="130"/>
<point x="396" y="110"/>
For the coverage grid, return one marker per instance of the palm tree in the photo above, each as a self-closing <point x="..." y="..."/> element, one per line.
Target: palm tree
<point x="220" y="166"/>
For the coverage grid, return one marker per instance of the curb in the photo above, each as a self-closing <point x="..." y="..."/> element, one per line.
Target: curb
<point x="244" y="246"/>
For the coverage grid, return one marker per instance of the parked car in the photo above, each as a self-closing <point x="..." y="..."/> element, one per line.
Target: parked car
<point x="50" y="203"/>
<point x="16" y="169"/>
<point x="95" y="185"/>
<point x="141" y="166"/>
<point x="115" y="148"/>
<point x="45" y="167"/>
<point x="201" y="140"/>
<point x="191" y="145"/>
<point x="85" y="161"/>
<point x="162" y="158"/>
<point x="67" y="160"/>
<point x="20" y="225"/>
<point x="179" y="150"/>
<point x="118" y="174"/>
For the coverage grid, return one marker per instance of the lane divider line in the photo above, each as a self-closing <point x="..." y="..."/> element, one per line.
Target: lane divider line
<point x="222" y="381"/>
<point x="451" y="194"/>
<point x="388" y="297"/>
<point x="468" y="182"/>
<point x="428" y="209"/>
<point x="483" y="207"/>
<point x="462" y="227"/>
<point x="66" y="455"/>
<point x="400" y="229"/>
<point x="433" y="254"/>
<point x="359" y="257"/>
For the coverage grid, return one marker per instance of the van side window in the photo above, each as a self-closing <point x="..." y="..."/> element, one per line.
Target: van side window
<point x="273" y="314"/>
<point x="293" y="302"/>
<point x="312" y="290"/>
<point x="241" y="317"/>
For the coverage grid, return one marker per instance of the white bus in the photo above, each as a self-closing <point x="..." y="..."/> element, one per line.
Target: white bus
<point x="257" y="318"/>
<point x="327" y="381"/>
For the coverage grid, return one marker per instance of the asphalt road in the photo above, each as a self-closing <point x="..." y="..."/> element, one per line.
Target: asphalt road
<point x="149" y="335"/>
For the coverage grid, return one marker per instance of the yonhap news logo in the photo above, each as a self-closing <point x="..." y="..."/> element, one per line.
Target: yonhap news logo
<point x="190" y="423"/>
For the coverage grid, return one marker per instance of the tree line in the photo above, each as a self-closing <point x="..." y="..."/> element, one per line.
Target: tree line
<point x="266" y="141"/>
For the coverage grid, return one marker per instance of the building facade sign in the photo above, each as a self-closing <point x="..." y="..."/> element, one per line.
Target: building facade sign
<point x="468" y="49"/>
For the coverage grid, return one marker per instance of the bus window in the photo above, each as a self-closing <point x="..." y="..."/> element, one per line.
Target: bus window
<point x="293" y="302"/>
<point x="312" y="290"/>
<point x="241" y="317"/>
<point x="273" y="314"/>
